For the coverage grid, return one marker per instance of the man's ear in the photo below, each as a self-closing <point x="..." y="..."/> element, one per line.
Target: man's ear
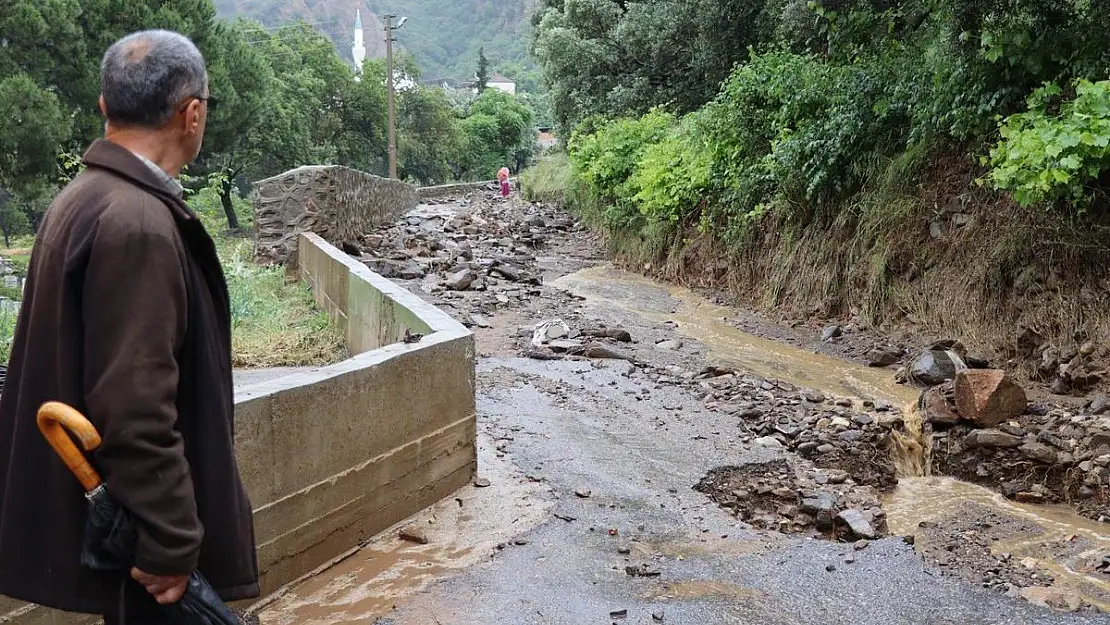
<point x="102" y="106"/>
<point x="192" y="117"/>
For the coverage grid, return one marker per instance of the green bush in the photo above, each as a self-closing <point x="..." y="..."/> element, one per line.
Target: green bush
<point x="1046" y="156"/>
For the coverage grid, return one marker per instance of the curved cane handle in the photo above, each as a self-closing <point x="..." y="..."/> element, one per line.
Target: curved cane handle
<point x="54" y="419"/>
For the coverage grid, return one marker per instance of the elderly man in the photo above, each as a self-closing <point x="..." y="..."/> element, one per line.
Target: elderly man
<point x="126" y="318"/>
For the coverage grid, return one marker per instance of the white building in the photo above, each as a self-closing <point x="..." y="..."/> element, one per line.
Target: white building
<point x="497" y="81"/>
<point x="358" y="51"/>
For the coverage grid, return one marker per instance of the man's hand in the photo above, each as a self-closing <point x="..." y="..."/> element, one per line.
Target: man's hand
<point x="165" y="589"/>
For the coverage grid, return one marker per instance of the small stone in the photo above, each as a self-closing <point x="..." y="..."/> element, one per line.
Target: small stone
<point x="862" y="419"/>
<point x="830" y="568"/>
<point x="1030" y="497"/>
<point x="414" y="535"/>
<point x="768" y="441"/>
<point x="657" y="616"/>
<point x="815" y="397"/>
<point x="583" y="493"/>
<point x="883" y="357"/>
<point x="624" y="550"/>
<point x="937" y="409"/>
<point x="837" y="476"/>
<point x="862" y="544"/>
<point x="669" y="345"/>
<point x="480" y="321"/>
<point x="1039" y="452"/>
<point x="481" y="482"/>
<point x="821" y="502"/>
<point x="461" y="280"/>
<point x="859" y="526"/>
<point x="618" y="613"/>
<point x="992" y="439"/>
<point x="1100" y="404"/>
<point x="831" y="333"/>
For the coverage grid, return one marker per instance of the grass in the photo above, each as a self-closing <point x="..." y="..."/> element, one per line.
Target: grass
<point x="548" y="179"/>
<point x="274" y="321"/>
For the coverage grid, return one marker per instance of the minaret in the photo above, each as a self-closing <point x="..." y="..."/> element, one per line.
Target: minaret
<point x="358" y="52"/>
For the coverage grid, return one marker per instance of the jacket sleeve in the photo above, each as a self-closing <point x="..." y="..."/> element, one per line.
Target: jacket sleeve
<point x="134" y="306"/>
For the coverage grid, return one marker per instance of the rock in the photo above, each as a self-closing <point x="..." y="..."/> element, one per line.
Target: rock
<point x="461" y="280"/>
<point x="932" y="368"/>
<point x="508" y="271"/>
<point x="413" y="535"/>
<point x="547" y="331"/>
<point x="831" y="332"/>
<point x="815" y="397"/>
<point x="669" y="345"/>
<point x="862" y="419"/>
<point x="1030" y="497"/>
<point x="1039" y="452"/>
<point x="481" y="482"/>
<point x="658" y="616"/>
<point x="822" y="502"/>
<point x="768" y="441"/>
<point x="988" y="397"/>
<point x="597" y="350"/>
<point x="584" y="493"/>
<point x="616" y="334"/>
<point x="936" y="408"/>
<point x="883" y="357"/>
<point x="836" y="476"/>
<point x="859" y="526"/>
<point x="571" y="346"/>
<point x="480" y="321"/>
<point x="992" y="439"/>
<point x="398" y="269"/>
<point x="1100" y="404"/>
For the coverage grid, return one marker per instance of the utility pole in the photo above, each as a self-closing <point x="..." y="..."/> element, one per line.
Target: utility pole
<point x="389" y="87"/>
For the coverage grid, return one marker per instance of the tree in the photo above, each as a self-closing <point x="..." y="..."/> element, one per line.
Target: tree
<point x="244" y="82"/>
<point x="498" y="131"/>
<point x="482" y="75"/>
<point x="430" y="138"/>
<point x="621" y="57"/>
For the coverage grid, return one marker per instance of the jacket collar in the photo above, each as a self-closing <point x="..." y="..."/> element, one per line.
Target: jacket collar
<point x="119" y="160"/>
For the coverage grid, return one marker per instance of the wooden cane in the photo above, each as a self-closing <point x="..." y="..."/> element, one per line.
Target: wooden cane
<point x="54" y="419"/>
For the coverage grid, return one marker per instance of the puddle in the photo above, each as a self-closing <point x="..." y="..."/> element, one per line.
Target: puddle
<point x="699" y="319"/>
<point x="372" y="581"/>
<point x="1063" y="547"/>
<point x="702" y="589"/>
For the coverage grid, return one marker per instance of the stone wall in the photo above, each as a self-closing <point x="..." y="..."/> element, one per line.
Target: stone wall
<point x="334" y="455"/>
<point x="447" y="190"/>
<point x="337" y="203"/>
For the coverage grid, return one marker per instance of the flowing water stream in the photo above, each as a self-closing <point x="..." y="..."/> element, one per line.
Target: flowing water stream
<point x="1063" y="540"/>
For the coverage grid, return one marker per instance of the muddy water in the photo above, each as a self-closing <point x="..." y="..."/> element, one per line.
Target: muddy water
<point x="1065" y="546"/>
<point x="918" y="498"/>
<point x="461" y="530"/>
<point x="703" y="321"/>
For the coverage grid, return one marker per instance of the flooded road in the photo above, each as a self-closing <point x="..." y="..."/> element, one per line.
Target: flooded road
<point x="591" y="466"/>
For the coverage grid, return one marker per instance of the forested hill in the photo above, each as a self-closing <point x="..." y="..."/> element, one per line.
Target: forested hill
<point x="442" y="35"/>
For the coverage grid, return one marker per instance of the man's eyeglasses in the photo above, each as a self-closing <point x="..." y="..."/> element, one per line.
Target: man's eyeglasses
<point x="211" y="101"/>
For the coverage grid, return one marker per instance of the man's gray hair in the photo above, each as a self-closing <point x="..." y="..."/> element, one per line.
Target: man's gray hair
<point x="146" y="75"/>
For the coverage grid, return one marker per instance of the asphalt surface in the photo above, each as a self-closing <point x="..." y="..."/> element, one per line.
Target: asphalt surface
<point x="575" y="427"/>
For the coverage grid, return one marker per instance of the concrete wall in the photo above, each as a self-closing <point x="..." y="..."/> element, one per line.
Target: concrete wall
<point x="334" y="455"/>
<point x="337" y="203"/>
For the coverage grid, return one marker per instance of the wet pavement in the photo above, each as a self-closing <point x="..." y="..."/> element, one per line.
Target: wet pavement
<point x="586" y="511"/>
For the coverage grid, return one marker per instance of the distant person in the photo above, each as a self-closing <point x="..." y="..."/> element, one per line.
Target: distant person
<point x="503" y="177"/>
<point x="126" y="318"/>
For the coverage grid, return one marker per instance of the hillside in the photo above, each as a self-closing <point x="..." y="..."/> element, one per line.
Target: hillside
<point x="442" y="35"/>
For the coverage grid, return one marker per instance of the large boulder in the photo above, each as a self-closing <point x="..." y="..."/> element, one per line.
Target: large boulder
<point x="988" y="397"/>
<point x="933" y="367"/>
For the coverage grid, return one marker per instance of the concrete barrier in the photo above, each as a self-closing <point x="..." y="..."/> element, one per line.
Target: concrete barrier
<point x="334" y="455"/>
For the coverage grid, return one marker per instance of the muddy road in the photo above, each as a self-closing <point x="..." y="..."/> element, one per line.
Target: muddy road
<point x="646" y="457"/>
